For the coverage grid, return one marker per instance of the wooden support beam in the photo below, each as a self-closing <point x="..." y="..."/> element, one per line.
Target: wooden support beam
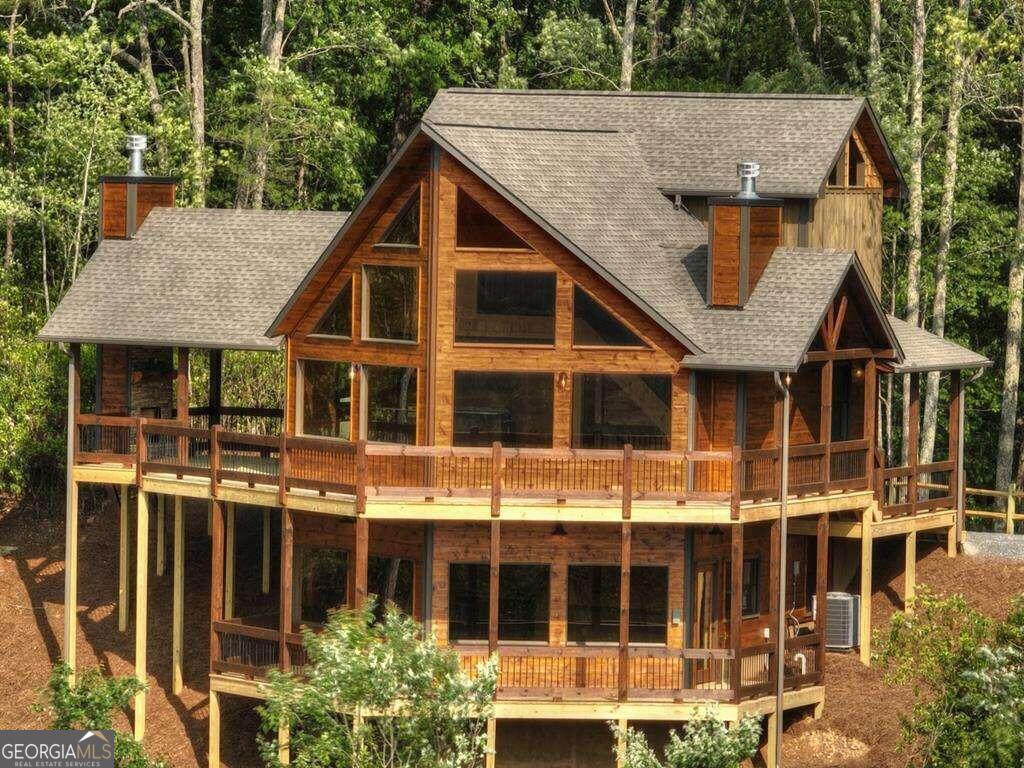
<point x="161" y="545"/>
<point x="216" y="574"/>
<point x="821" y="589"/>
<point x="910" y="570"/>
<point x="825" y="424"/>
<point x="362" y="559"/>
<point x="493" y="592"/>
<point x="736" y="606"/>
<point x="178" y="597"/>
<point x="951" y="541"/>
<point x="770" y="746"/>
<point x="913" y="447"/>
<point x="625" y="564"/>
<point x="141" y="607"/>
<point x="71" y="514"/>
<point x="216" y="384"/>
<point x="774" y="564"/>
<point x="213" y="749"/>
<point x="284" y="744"/>
<point x="265" y="581"/>
<point x="491" y="751"/>
<point x="287" y="555"/>
<point x="870" y="411"/>
<point x="866" y="546"/>
<point x="229" y="562"/>
<point x="955" y="452"/>
<point x="621" y="743"/>
<point x="123" y="562"/>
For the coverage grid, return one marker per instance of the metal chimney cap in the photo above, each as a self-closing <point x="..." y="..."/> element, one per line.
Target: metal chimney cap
<point x="136" y="145"/>
<point x="136" y="141"/>
<point x="748" y="172"/>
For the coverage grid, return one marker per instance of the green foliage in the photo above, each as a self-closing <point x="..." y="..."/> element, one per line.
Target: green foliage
<point x="706" y="742"/>
<point x="90" y="703"/>
<point x="357" y="666"/>
<point x="967" y="673"/>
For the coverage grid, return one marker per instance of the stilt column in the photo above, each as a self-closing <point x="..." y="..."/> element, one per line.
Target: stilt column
<point x="141" y="592"/>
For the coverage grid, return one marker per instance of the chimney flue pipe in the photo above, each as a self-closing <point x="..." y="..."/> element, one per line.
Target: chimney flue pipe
<point x="136" y="147"/>
<point x="748" y="173"/>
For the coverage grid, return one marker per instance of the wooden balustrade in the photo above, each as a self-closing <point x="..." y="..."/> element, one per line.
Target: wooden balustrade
<point x="909" y="490"/>
<point x="105" y="439"/>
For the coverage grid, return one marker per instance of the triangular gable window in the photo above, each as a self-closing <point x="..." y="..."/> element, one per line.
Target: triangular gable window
<point x="405" y="229"/>
<point x="476" y="227"/>
<point x="595" y="326"/>
<point x="337" y="320"/>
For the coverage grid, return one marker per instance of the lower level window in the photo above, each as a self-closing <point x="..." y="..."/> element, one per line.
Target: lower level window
<point x="390" y="404"/>
<point x="593" y="604"/>
<point x="523" y="601"/>
<point x="323" y="583"/>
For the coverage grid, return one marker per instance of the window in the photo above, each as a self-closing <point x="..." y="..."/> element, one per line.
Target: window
<point x="505" y="307"/>
<point x="476" y="227"/>
<point x="337" y="320"/>
<point x="855" y="167"/>
<point x="611" y="410"/>
<point x="390" y="303"/>
<point x="594" y="326"/>
<point x="324" y="582"/>
<point x="326" y="399"/>
<point x="390" y="404"/>
<point x="516" y="409"/>
<point x="833" y="176"/>
<point x="842" y="375"/>
<point x="405" y="229"/>
<point x="523" y="601"/>
<point x="593" y="603"/>
<point x="391" y="580"/>
<point x="751" y="586"/>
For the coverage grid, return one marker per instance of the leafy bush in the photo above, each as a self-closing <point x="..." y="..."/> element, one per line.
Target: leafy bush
<point x="434" y="715"/>
<point x="707" y="742"/>
<point x="89" y="704"/>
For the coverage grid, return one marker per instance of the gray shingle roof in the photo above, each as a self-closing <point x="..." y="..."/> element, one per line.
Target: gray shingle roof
<point x="691" y="141"/>
<point x="194" y="277"/>
<point x="924" y="351"/>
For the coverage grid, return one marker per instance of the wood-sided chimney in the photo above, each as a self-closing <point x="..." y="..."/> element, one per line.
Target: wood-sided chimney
<point x="125" y="201"/>
<point x="743" y="232"/>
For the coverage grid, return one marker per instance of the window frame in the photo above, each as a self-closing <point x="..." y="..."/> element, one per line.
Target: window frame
<point x="350" y="284"/>
<point x="503" y="344"/>
<point x="300" y="398"/>
<point x="364" y="309"/>
<point x="643" y="345"/>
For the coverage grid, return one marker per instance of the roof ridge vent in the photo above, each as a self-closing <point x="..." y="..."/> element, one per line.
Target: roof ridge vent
<point x="748" y="171"/>
<point x="136" y="146"/>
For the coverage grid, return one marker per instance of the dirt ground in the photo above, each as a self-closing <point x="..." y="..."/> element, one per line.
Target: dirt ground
<point x="860" y="728"/>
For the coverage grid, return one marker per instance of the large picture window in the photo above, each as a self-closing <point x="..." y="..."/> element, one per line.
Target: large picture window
<point x="505" y="307"/>
<point x="326" y="399"/>
<point x="516" y="409"/>
<point x="595" y="326"/>
<point x="390" y="303"/>
<point x="611" y="410"/>
<point x="523" y="601"/>
<point x="390" y="404"/>
<point x="593" y="604"/>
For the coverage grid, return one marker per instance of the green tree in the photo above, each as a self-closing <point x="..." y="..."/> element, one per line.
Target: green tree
<point x="89" y="703"/>
<point x="376" y="694"/>
<point x="706" y="742"/>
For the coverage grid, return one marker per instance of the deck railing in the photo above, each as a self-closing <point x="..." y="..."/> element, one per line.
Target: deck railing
<point x="814" y="468"/>
<point x="904" y="491"/>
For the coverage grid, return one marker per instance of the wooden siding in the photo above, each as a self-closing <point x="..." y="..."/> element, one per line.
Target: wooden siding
<point x="724" y="251"/>
<point x="114" y="209"/>
<point x="765" y="236"/>
<point x="150" y="196"/>
<point x="851" y="219"/>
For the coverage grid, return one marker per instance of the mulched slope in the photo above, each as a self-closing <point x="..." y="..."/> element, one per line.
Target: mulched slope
<point x="860" y="728"/>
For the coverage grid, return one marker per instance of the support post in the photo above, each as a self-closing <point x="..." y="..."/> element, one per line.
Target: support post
<point x="284" y="744"/>
<point x="910" y="570"/>
<point x="490" y="754"/>
<point x="495" y="575"/>
<point x="775" y="564"/>
<point x="229" y="563"/>
<point x="123" y="563"/>
<point x="216" y="379"/>
<point x="770" y="746"/>
<point x="621" y="742"/>
<point x="1011" y="507"/>
<point x="265" y="583"/>
<point x="870" y="414"/>
<point x="736" y="608"/>
<point x="71" y="514"/>
<point x="141" y="600"/>
<point x="913" y="447"/>
<point x="362" y="559"/>
<point x="625" y="563"/>
<point x="161" y="545"/>
<point x="213" y="752"/>
<point x="825" y="425"/>
<point x="866" y="546"/>
<point x="181" y="401"/>
<point x="821" y="590"/>
<point x="216" y="575"/>
<point x="287" y="553"/>
<point x="178" y="597"/>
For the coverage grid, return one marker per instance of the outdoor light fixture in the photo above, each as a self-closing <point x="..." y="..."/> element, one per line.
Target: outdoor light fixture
<point x="563" y="381"/>
<point x="354" y="370"/>
<point x="559" y="531"/>
<point x="858" y="372"/>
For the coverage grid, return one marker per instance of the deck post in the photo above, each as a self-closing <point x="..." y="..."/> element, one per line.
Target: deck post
<point x="123" y="562"/>
<point x="229" y="562"/>
<point x="910" y="570"/>
<point x="1011" y="507"/>
<point x="736" y="608"/>
<point x="216" y="384"/>
<point x="71" y="514"/>
<point x="213" y="752"/>
<point x="490" y="754"/>
<point x="494" y="561"/>
<point x="870" y="416"/>
<point x="265" y="583"/>
<point x="141" y="600"/>
<point x="821" y="590"/>
<point x="161" y="545"/>
<point x="216" y="575"/>
<point x="913" y="447"/>
<point x="181" y="401"/>
<point x="621" y="742"/>
<point x="284" y="746"/>
<point x="625" y="563"/>
<point x="287" y="553"/>
<point x="825" y="425"/>
<point x="866" y="545"/>
<point x="770" y="746"/>
<point x="362" y="559"/>
<point x="178" y="597"/>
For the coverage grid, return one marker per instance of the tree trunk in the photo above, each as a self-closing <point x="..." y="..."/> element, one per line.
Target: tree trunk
<point x="653" y="42"/>
<point x="156" y="105"/>
<point x="272" y="45"/>
<point x="916" y="202"/>
<point x="198" y="90"/>
<point x="1011" y="369"/>
<point x="628" y="35"/>
<point x="793" y="29"/>
<point x="956" y="94"/>
<point x="875" y="41"/>
<point x="9" y="223"/>
<point x="816" y="32"/>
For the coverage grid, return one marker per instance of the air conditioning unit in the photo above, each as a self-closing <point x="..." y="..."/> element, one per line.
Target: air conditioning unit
<point x="842" y="628"/>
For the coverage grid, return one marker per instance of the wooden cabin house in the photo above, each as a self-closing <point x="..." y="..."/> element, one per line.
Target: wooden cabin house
<point x="537" y="391"/>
